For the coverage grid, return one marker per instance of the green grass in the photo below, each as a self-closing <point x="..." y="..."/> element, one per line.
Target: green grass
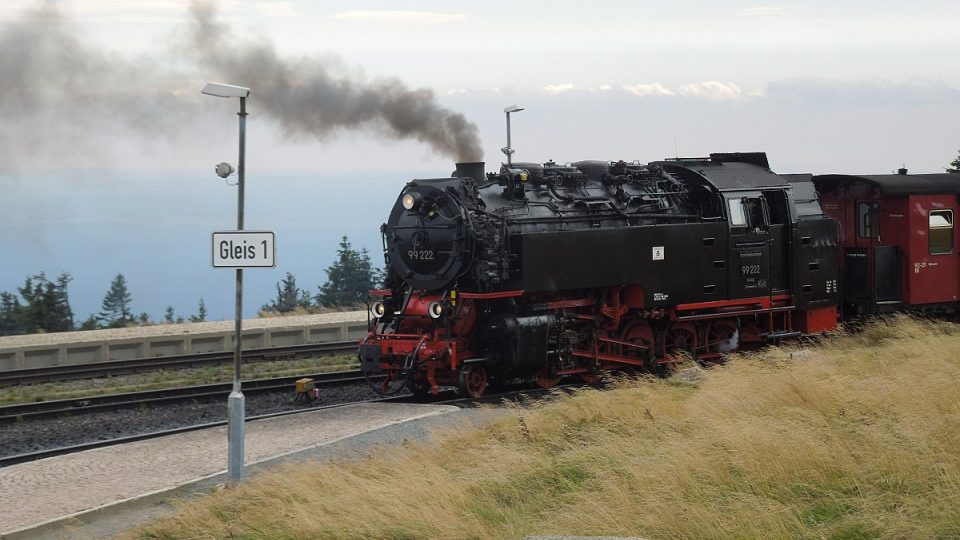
<point x="159" y="380"/>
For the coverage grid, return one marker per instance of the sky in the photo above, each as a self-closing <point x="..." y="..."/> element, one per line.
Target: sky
<point x="101" y="108"/>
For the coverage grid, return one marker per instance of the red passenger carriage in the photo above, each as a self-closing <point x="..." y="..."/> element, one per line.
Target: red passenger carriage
<point x="898" y="241"/>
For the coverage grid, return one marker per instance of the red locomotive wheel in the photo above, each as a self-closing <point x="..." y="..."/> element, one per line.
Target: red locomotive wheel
<point x="548" y="378"/>
<point x="392" y="382"/>
<point x="639" y="332"/>
<point x="681" y="337"/>
<point x="722" y="336"/>
<point x="590" y="378"/>
<point x="473" y="381"/>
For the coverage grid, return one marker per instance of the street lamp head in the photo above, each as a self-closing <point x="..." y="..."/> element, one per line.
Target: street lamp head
<point x="225" y="90"/>
<point x="224" y="170"/>
<point x="512" y="109"/>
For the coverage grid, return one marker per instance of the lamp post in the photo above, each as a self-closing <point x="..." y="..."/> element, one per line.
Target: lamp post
<point x="508" y="150"/>
<point x="236" y="407"/>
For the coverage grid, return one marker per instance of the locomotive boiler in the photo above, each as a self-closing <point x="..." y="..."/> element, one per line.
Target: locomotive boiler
<point x="541" y="271"/>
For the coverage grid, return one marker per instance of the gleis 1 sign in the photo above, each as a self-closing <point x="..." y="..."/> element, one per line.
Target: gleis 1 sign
<point x="244" y="249"/>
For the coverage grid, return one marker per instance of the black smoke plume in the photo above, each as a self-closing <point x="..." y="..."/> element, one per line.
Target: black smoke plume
<point x="307" y="99"/>
<point x="61" y="97"/>
<point x="58" y="95"/>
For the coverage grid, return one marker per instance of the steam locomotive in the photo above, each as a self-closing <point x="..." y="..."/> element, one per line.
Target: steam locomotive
<point x="541" y="271"/>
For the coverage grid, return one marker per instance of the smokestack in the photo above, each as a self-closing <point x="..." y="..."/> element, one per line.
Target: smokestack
<point x="470" y="169"/>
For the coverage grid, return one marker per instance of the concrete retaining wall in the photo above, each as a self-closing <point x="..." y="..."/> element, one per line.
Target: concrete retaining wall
<point x="22" y="352"/>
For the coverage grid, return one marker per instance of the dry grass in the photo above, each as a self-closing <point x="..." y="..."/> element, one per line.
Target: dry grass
<point x="856" y="437"/>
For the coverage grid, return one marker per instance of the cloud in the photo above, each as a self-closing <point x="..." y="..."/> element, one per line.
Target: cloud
<point x="400" y="17"/>
<point x="764" y="12"/>
<point x="98" y="11"/>
<point x="278" y="9"/>
<point x="127" y="5"/>
<point x="865" y="92"/>
<point x="559" y="88"/>
<point x="712" y="91"/>
<point x="654" y="89"/>
<point x="143" y="11"/>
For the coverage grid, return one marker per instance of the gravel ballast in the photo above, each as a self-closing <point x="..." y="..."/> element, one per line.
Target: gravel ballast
<point x="87" y="427"/>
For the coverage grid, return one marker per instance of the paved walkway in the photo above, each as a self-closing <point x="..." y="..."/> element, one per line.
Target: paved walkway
<point x="40" y="491"/>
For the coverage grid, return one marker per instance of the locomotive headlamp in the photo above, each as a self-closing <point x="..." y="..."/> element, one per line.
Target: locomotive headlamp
<point x="411" y="200"/>
<point x="522" y="176"/>
<point x="435" y="310"/>
<point x="378" y="309"/>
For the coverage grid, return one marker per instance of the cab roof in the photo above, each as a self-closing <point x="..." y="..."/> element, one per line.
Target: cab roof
<point x="728" y="171"/>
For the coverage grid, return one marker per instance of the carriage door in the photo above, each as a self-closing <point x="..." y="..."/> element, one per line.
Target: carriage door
<point x="872" y="271"/>
<point x="749" y="246"/>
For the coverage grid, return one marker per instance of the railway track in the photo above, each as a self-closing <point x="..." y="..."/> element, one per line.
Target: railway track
<point x="122" y="367"/>
<point x="446" y="398"/>
<point x="46" y="409"/>
<point x="51" y="452"/>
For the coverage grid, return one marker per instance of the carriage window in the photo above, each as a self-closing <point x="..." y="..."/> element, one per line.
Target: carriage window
<point x="941" y="232"/>
<point x="737" y="216"/>
<point x="867" y="219"/>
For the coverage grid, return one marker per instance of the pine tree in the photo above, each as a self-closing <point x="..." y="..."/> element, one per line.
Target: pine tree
<point x="169" y="317"/>
<point x="201" y="315"/>
<point x="955" y="165"/>
<point x="62" y="316"/>
<point x="349" y="279"/>
<point x="46" y="305"/>
<point x="10" y="314"/>
<point x="92" y="323"/>
<point x="116" y="304"/>
<point x="289" y="297"/>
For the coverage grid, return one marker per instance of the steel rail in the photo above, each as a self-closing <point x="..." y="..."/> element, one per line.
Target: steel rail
<point x="120" y="367"/>
<point x="51" y="452"/>
<point x="518" y="394"/>
<point x="62" y="407"/>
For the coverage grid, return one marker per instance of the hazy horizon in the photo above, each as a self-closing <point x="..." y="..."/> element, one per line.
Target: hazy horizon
<point x="107" y="146"/>
<point x="143" y="227"/>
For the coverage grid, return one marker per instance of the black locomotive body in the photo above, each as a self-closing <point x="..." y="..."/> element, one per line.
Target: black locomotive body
<point x="545" y="270"/>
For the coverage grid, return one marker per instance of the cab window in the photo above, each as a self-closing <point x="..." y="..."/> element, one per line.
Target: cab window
<point x="941" y="232"/>
<point x="748" y="212"/>
<point x="738" y="218"/>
